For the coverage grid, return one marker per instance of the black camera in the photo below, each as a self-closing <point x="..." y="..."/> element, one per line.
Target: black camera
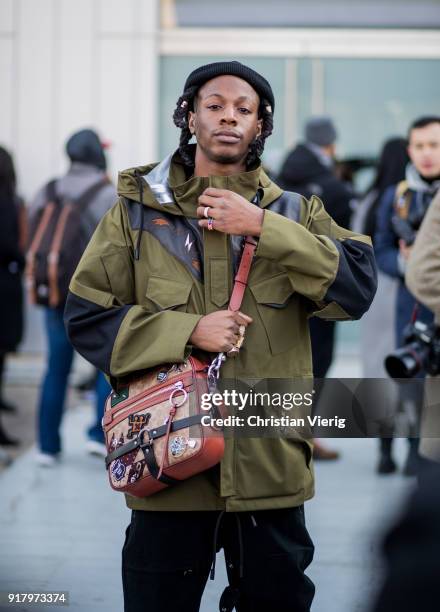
<point x="406" y="228"/>
<point x="403" y="229"/>
<point x="421" y="351"/>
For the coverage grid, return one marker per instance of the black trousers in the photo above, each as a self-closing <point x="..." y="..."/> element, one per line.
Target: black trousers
<point x="322" y="337"/>
<point x="167" y="556"/>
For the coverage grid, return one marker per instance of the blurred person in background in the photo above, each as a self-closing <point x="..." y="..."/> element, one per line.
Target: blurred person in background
<point x="12" y="237"/>
<point x="422" y="277"/>
<point x="390" y="170"/>
<point x="309" y="170"/>
<point x="412" y="551"/>
<point x="412" y="547"/>
<point x="399" y="215"/>
<point x="87" y="173"/>
<point x="377" y="336"/>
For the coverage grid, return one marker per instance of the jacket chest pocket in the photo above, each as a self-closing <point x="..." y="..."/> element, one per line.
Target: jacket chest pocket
<point x="273" y="297"/>
<point x="167" y="293"/>
<point x="119" y="270"/>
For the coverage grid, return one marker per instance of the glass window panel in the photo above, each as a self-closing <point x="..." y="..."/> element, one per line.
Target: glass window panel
<point x="373" y="99"/>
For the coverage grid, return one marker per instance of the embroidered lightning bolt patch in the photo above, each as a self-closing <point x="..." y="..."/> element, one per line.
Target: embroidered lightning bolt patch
<point x="188" y="243"/>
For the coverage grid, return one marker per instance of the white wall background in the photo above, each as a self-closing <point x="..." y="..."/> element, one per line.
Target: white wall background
<point x="69" y="64"/>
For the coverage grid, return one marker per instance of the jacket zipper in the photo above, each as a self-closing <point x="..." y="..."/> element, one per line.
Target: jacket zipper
<point x="144" y="401"/>
<point x="147" y="393"/>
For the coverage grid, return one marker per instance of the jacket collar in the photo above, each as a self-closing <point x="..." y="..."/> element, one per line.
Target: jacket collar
<point x="187" y="191"/>
<point x="167" y="186"/>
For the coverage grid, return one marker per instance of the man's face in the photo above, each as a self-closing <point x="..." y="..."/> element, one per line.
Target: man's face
<point x="424" y="149"/>
<point x="225" y="119"/>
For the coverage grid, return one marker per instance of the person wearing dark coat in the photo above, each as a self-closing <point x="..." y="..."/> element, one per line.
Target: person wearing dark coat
<point x="11" y="268"/>
<point x="309" y="170"/>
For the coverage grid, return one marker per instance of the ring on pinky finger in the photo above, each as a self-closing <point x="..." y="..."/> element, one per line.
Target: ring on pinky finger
<point x="210" y="224"/>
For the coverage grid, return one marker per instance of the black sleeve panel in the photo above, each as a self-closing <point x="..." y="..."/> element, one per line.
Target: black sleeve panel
<point x="356" y="279"/>
<point x="92" y="329"/>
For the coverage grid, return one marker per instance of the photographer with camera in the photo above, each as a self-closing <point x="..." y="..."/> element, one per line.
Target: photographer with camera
<point x="399" y="217"/>
<point x="411" y="547"/>
<point x="423" y="279"/>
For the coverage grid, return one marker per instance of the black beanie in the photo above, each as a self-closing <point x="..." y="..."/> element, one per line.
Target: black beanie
<point x="201" y="75"/>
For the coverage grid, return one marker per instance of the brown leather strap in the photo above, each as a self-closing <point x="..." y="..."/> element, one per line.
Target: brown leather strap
<point x="153" y="434"/>
<point x="241" y="278"/>
<point x="54" y="254"/>
<point x="23" y="227"/>
<point x="167" y="438"/>
<point x="402" y="200"/>
<point x="35" y="245"/>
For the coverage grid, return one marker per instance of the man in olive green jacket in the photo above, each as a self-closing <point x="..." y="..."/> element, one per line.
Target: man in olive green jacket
<point x="153" y="287"/>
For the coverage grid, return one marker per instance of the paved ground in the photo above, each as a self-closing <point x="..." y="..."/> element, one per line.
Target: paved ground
<point x="23" y="374"/>
<point x="62" y="529"/>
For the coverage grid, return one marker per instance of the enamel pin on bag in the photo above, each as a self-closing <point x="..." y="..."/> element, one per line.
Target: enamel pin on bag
<point x="153" y="429"/>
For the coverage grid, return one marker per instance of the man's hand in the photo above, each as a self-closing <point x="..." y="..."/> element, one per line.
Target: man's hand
<point x="219" y="331"/>
<point x="404" y="250"/>
<point x="232" y="214"/>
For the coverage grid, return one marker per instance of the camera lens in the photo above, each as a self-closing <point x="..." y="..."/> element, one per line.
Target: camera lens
<point x="407" y="361"/>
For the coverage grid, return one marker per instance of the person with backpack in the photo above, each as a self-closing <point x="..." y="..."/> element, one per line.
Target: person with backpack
<point x="64" y="215"/>
<point x="399" y="216"/>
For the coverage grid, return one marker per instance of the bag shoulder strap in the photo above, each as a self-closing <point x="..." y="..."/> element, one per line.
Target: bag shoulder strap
<point x="86" y="198"/>
<point x="51" y="195"/>
<point x="42" y="218"/>
<point x="241" y="278"/>
<point x="402" y="199"/>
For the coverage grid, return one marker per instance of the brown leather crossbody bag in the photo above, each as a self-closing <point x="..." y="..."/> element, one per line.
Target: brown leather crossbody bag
<point x="154" y="429"/>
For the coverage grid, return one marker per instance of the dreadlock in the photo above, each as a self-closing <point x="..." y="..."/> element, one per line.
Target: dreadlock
<point x="256" y="148"/>
<point x="180" y="117"/>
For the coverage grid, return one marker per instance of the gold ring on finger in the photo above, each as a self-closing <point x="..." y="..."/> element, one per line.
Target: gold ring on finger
<point x="233" y="351"/>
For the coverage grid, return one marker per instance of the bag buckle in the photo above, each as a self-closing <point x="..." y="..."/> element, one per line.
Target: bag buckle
<point x="141" y="434"/>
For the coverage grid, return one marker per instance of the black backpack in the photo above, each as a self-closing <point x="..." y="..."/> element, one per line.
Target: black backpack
<point x="57" y="241"/>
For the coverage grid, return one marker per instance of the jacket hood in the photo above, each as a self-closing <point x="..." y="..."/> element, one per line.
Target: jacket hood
<point x="165" y="186"/>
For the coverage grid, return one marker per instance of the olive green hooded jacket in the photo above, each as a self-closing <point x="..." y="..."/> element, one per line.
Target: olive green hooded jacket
<point x="137" y="295"/>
